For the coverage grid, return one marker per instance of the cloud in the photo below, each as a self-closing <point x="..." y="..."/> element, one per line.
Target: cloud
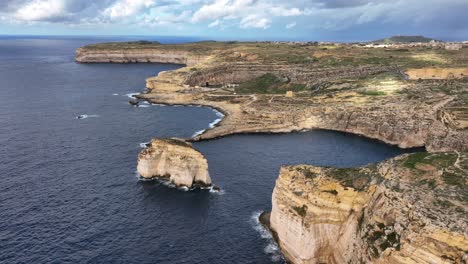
<point x="249" y="13"/>
<point x="214" y="23"/>
<point x="291" y="25"/>
<point x="128" y="8"/>
<point x="42" y="10"/>
<point x="254" y="21"/>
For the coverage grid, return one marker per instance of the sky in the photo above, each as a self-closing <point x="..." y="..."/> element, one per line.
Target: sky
<point x="321" y="20"/>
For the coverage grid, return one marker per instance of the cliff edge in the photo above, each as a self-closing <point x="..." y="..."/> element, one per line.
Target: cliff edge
<point x="174" y="160"/>
<point x="410" y="209"/>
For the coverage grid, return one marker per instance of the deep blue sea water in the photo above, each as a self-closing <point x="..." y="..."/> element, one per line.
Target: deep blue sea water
<point x="69" y="192"/>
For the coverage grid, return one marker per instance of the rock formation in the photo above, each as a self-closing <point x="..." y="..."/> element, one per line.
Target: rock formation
<point x="125" y="55"/>
<point x="411" y="209"/>
<point x="174" y="160"/>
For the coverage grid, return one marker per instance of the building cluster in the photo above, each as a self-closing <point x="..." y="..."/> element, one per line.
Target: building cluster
<point x="434" y="44"/>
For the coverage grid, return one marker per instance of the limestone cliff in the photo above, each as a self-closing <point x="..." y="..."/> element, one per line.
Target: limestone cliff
<point x="122" y="55"/>
<point x="411" y="209"/>
<point x="175" y="160"/>
<point x="363" y="91"/>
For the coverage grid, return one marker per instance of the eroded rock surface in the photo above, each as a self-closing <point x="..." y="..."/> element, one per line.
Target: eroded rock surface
<point x="175" y="160"/>
<point x="411" y="209"/>
<point x="357" y="90"/>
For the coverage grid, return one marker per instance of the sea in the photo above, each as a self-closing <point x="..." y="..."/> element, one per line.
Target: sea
<point x="69" y="190"/>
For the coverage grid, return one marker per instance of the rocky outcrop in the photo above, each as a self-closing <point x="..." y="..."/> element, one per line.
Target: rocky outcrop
<point x="344" y="89"/>
<point x="122" y="55"/>
<point x="411" y="209"/>
<point x="174" y="160"/>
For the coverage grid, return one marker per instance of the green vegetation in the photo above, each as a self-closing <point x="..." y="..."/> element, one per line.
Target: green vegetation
<point x="442" y="160"/>
<point x="411" y="161"/>
<point x="268" y="84"/>
<point x="431" y="183"/>
<point x="443" y="203"/>
<point x="307" y="172"/>
<point x="452" y="178"/>
<point x="177" y="142"/>
<point x="357" y="178"/>
<point x="372" y="93"/>
<point x="302" y="211"/>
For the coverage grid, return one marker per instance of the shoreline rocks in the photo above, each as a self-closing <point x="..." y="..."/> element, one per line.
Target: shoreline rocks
<point x="175" y="160"/>
<point x="410" y="209"/>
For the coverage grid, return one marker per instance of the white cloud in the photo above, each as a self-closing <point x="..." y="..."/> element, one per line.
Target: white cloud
<point x="214" y="23"/>
<point x="291" y="25"/>
<point x="41" y="10"/>
<point x="128" y="8"/>
<point x="249" y="13"/>
<point x="254" y="21"/>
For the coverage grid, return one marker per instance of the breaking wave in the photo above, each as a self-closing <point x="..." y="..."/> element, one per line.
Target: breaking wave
<point x="271" y="248"/>
<point x="84" y="116"/>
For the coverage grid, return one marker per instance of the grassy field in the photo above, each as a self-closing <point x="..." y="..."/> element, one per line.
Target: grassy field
<point x="268" y="84"/>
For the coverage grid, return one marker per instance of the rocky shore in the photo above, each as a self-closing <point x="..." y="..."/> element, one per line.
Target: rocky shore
<point x="411" y="209"/>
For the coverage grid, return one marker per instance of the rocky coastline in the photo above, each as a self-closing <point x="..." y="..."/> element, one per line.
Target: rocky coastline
<point x="411" y="209"/>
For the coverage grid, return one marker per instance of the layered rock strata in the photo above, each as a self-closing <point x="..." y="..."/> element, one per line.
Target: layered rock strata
<point x="411" y="209"/>
<point x="336" y="95"/>
<point x="174" y="160"/>
<point x="137" y="56"/>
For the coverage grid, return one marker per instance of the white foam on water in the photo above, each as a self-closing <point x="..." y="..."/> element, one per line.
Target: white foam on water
<point x="145" y="102"/>
<point x="271" y="248"/>
<point x="84" y="116"/>
<point x="218" y="191"/>
<point x="214" y="123"/>
<point x="144" y="144"/>
<point x="132" y="95"/>
<point x="144" y="106"/>
<point x="218" y="114"/>
<point x="115" y="94"/>
<point x="196" y="134"/>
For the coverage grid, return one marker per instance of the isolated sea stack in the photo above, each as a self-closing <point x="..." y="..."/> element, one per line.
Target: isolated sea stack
<point x="175" y="160"/>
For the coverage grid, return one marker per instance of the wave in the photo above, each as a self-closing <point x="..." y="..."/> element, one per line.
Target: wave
<point x="196" y="134"/>
<point x="144" y="144"/>
<point x="132" y="95"/>
<point x="214" y="123"/>
<point x="84" y="116"/>
<point x="271" y="248"/>
<point x="115" y="94"/>
<point x="143" y="105"/>
<point x="216" y="190"/>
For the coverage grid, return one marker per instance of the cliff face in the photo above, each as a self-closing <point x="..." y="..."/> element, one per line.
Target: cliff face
<point x="411" y="209"/>
<point x="137" y="56"/>
<point x="175" y="160"/>
<point x="355" y="90"/>
<point x="411" y="115"/>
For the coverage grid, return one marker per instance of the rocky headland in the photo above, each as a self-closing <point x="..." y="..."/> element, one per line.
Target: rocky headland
<point x="411" y="209"/>
<point x="174" y="160"/>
